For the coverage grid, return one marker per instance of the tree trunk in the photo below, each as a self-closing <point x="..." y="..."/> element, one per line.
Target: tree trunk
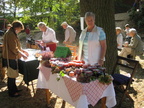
<point x="104" y="12"/>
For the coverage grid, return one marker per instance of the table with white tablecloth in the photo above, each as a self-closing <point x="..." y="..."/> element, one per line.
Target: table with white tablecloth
<point x="77" y="94"/>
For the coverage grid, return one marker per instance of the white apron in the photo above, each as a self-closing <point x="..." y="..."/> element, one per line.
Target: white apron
<point x="94" y="47"/>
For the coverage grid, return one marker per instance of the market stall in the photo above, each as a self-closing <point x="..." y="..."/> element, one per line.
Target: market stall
<point x="76" y="83"/>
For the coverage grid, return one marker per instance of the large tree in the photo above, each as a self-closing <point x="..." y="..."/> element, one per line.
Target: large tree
<point x="104" y="11"/>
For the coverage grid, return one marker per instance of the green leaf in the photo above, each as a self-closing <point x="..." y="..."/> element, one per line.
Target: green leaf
<point x="62" y="74"/>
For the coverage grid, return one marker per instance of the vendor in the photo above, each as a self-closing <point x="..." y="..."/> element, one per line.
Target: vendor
<point x="92" y="42"/>
<point x="48" y="36"/>
<point x="70" y="33"/>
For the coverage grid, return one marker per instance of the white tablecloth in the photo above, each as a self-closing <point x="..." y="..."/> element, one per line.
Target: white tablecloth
<point x="60" y="89"/>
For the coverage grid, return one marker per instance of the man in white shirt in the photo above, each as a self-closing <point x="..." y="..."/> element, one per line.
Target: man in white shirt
<point x="48" y="36"/>
<point x="119" y="38"/>
<point x="70" y="33"/>
<point x="127" y="37"/>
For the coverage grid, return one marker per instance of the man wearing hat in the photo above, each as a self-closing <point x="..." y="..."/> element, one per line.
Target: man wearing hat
<point x="134" y="48"/>
<point x="70" y="33"/>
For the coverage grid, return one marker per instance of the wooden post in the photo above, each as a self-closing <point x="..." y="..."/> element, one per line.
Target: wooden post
<point x="103" y="102"/>
<point x="48" y="96"/>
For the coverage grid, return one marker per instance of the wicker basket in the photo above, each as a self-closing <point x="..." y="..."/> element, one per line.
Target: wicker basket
<point x="32" y="46"/>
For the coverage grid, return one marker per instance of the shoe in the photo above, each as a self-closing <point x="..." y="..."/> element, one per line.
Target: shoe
<point x="15" y="95"/>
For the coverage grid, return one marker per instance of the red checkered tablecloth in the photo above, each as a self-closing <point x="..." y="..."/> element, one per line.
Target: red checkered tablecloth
<point x="74" y="88"/>
<point x="92" y="90"/>
<point x="45" y="71"/>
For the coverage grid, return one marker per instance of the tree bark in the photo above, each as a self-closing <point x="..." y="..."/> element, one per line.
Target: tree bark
<point x="104" y="12"/>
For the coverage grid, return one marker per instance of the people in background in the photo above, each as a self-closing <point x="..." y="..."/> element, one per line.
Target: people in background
<point x="48" y="36"/>
<point x="70" y="33"/>
<point x="119" y="38"/>
<point x="12" y="52"/>
<point x="127" y="38"/>
<point x="8" y="26"/>
<point x="134" y="48"/>
<point x="27" y="30"/>
<point x="92" y="42"/>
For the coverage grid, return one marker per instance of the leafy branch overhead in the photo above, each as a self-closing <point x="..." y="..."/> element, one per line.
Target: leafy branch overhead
<point x="52" y="12"/>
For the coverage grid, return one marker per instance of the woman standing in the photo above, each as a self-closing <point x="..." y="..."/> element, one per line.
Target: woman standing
<point x="48" y="36"/>
<point x="12" y="52"/>
<point x="92" y="42"/>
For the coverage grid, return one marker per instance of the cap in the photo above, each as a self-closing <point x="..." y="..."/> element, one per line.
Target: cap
<point x="118" y="28"/>
<point x="127" y="25"/>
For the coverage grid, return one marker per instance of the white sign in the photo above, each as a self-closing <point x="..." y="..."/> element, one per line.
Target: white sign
<point x="82" y="22"/>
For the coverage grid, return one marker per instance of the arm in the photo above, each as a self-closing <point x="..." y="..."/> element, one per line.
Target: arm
<point x="102" y="40"/>
<point x="14" y="46"/>
<point x="66" y="35"/>
<point x="103" y="51"/>
<point x="120" y="40"/>
<point x="23" y="54"/>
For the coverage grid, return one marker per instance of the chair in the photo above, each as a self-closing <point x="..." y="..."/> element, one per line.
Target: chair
<point x="73" y="49"/>
<point x="122" y="82"/>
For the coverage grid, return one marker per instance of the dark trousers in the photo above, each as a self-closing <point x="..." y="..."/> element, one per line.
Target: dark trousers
<point x="11" y="82"/>
<point x="12" y="88"/>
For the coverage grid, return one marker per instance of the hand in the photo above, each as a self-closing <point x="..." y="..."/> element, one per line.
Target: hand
<point x="101" y="62"/>
<point x="125" y="45"/>
<point x="64" y="42"/>
<point x="26" y="53"/>
<point x="24" y="57"/>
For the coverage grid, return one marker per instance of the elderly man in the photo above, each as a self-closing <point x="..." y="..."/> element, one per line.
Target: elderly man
<point x="48" y="36"/>
<point x="134" y="48"/>
<point x="70" y="33"/>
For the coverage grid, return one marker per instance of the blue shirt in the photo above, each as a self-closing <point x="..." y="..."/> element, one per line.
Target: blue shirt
<point x="102" y="35"/>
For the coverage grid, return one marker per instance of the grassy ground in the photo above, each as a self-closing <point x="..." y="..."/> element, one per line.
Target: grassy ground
<point x="38" y="100"/>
